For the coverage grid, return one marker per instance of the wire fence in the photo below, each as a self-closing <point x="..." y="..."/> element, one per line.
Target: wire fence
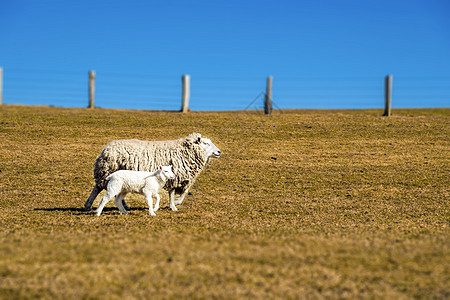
<point x="155" y="92"/>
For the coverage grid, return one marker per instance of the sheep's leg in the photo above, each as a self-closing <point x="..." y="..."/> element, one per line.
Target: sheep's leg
<point x="149" y="198"/>
<point x="181" y="198"/>
<point x="125" y="205"/>
<point x="172" y="200"/>
<point x="119" y="203"/>
<point x="108" y="196"/>
<point x="95" y="191"/>
<point x="158" y="198"/>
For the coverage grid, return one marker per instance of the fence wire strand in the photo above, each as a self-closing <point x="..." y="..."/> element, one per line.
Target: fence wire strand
<point x="150" y="91"/>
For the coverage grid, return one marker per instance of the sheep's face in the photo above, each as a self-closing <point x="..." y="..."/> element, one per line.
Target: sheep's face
<point x="167" y="171"/>
<point x="210" y="149"/>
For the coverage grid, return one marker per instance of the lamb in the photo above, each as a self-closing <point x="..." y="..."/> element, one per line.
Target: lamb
<point x="145" y="183"/>
<point x="188" y="156"/>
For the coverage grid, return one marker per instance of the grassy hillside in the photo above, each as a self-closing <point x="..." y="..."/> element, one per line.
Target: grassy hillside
<point x="302" y="204"/>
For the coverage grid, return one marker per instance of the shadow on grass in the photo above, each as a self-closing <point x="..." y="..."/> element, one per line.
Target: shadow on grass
<point x="83" y="211"/>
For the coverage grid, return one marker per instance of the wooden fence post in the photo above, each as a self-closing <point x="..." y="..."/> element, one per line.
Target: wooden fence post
<point x="387" y="95"/>
<point x="1" y="86"/>
<point x="268" y="98"/>
<point x="91" y="89"/>
<point x="185" y="93"/>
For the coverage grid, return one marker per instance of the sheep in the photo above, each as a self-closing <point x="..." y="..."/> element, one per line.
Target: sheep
<point x="145" y="183"/>
<point x="188" y="156"/>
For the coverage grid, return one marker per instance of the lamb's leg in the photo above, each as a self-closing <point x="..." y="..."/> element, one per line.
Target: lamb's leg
<point x="149" y="198"/>
<point x="172" y="200"/>
<point x="158" y="198"/>
<point x="108" y="196"/>
<point x="95" y="191"/>
<point x="119" y="203"/>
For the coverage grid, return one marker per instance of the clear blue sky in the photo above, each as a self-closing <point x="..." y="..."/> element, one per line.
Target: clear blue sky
<point x="233" y="41"/>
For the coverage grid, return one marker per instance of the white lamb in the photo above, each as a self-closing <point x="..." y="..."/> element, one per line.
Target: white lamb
<point x="145" y="183"/>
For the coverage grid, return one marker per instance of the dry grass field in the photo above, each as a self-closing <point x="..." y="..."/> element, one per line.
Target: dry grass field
<point x="302" y="204"/>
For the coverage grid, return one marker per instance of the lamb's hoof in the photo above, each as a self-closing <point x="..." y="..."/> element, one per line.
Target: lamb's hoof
<point x="174" y="208"/>
<point x="87" y="208"/>
<point x="153" y="215"/>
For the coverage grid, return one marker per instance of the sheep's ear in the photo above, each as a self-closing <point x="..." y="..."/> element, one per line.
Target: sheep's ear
<point x="194" y="137"/>
<point x="191" y="139"/>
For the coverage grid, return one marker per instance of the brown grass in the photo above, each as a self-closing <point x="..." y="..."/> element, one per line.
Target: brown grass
<point x="302" y="204"/>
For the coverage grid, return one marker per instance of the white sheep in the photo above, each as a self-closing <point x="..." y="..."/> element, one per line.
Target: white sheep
<point x="188" y="156"/>
<point x="145" y="183"/>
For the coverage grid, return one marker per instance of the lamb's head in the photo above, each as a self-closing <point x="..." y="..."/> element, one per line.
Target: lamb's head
<point x="167" y="172"/>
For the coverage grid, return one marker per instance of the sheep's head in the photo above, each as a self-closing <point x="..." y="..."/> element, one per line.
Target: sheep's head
<point x="210" y="149"/>
<point x="206" y="144"/>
